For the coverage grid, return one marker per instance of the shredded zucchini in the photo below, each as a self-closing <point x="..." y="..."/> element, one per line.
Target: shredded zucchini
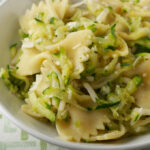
<point x="84" y="63"/>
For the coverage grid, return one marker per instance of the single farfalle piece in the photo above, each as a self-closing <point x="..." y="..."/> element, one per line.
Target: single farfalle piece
<point x="142" y="95"/>
<point x="47" y="68"/>
<point x="30" y="61"/>
<point x="115" y="134"/>
<point x="76" y="47"/>
<point x="59" y="7"/>
<point x="82" y="124"/>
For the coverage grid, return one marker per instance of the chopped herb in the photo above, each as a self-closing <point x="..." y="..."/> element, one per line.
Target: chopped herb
<point x="73" y="30"/>
<point x="77" y="124"/>
<point x="123" y="0"/>
<point x="67" y="118"/>
<point x="113" y="31"/>
<point x="93" y="75"/>
<point x="23" y="34"/>
<point x="14" y="45"/>
<point x="38" y="20"/>
<point x="56" y="99"/>
<point x="103" y="105"/>
<point x="110" y="8"/>
<point x="92" y="28"/>
<point x="91" y="45"/>
<point x="45" y="91"/>
<point x="56" y="53"/>
<point x="88" y="72"/>
<point x="96" y="52"/>
<point x="110" y="47"/>
<point x="102" y="37"/>
<point x="141" y="49"/>
<point x="48" y="106"/>
<point x="52" y="20"/>
<point x="136" y="117"/>
<point x="67" y="81"/>
<point x="136" y="1"/>
<point x="137" y="80"/>
<point x="97" y="100"/>
<point x="89" y="109"/>
<point x="134" y="84"/>
<point x="107" y="127"/>
<point x="107" y="105"/>
<point x="125" y="64"/>
<point x="13" y="50"/>
<point x="91" y="70"/>
<point x="147" y="38"/>
<point x="53" y="76"/>
<point x="62" y="50"/>
<point x="86" y="141"/>
<point x="41" y="15"/>
<point x="124" y="10"/>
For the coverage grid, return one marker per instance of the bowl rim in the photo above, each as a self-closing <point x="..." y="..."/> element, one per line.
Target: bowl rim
<point x="2" y="2"/>
<point x="67" y="144"/>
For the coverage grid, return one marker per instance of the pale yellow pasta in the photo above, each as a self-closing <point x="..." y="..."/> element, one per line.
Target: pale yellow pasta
<point x="111" y="135"/>
<point x="135" y="35"/>
<point x="76" y="48"/>
<point x="47" y="68"/>
<point x="30" y="61"/>
<point x="83" y="124"/>
<point x="57" y="9"/>
<point x="143" y="95"/>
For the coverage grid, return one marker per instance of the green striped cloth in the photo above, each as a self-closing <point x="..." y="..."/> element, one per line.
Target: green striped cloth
<point x="22" y="140"/>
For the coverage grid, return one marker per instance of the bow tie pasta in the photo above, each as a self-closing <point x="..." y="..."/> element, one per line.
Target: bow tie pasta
<point x="85" y="67"/>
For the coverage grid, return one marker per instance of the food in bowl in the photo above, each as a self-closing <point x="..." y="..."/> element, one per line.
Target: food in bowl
<point x="84" y="67"/>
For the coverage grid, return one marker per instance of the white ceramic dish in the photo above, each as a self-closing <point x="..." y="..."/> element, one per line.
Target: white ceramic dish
<point x="10" y="105"/>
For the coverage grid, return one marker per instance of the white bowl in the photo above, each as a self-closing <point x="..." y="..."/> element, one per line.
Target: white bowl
<point x="10" y="105"/>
